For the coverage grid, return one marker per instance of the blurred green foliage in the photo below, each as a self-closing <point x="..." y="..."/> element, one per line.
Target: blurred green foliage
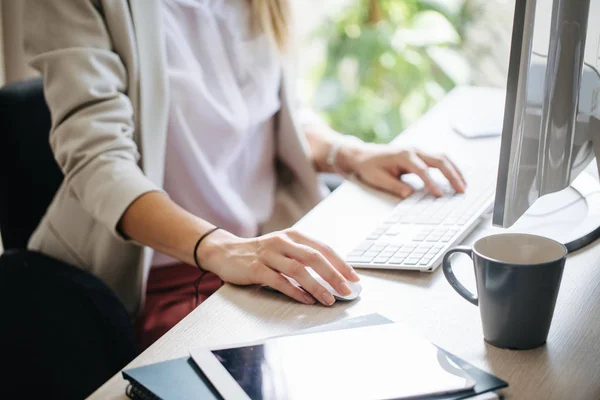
<point x="387" y="62"/>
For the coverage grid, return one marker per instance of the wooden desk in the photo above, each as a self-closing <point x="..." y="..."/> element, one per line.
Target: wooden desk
<point x="568" y="366"/>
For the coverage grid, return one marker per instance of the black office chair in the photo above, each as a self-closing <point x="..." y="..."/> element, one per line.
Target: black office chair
<point x="63" y="331"/>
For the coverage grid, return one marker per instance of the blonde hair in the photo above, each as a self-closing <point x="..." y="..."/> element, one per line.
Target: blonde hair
<point x="273" y="17"/>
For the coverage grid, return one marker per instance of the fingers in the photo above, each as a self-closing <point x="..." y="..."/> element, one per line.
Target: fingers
<point x="297" y="270"/>
<point x="448" y="169"/>
<point x="338" y="262"/>
<point x="458" y="171"/>
<point x="280" y="283"/>
<point x="307" y="256"/>
<point x="289" y="253"/>
<point x="418" y="167"/>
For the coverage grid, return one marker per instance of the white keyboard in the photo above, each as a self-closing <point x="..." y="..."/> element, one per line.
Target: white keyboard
<point x="421" y="228"/>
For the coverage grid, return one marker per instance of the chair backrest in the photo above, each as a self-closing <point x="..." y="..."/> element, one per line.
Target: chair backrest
<point x="29" y="175"/>
<point x="64" y="332"/>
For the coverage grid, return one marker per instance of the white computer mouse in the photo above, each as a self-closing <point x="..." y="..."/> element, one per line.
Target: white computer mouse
<point x="355" y="287"/>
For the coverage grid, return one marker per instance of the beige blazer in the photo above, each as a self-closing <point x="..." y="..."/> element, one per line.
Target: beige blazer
<point x="103" y="65"/>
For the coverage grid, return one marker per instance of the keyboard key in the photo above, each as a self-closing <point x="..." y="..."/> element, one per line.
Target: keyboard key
<point x="414" y="199"/>
<point x="397" y="260"/>
<point x="424" y="262"/>
<point x="371" y="253"/>
<point x="364" y="246"/>
<point x="378" y="247"/>
<point x="354" y="259"/>
<point x="425" y="221"/>
<point x="355" y="254"/>
<point x="366" y="259"/>
<point x="411" y="261"/>
<point x="408" y="219"/>
<point x="381" y="260"/>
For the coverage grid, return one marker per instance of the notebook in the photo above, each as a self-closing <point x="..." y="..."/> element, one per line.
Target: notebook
<point x="182" y="379"/>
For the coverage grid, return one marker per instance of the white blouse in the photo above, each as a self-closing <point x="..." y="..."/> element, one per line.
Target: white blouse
<point x="224" y="92"/>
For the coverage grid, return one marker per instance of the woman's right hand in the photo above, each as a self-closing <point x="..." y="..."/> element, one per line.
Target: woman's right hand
<point x="266" y="259"/>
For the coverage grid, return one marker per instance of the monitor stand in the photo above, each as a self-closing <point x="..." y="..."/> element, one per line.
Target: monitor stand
<point x="571" y="216"/>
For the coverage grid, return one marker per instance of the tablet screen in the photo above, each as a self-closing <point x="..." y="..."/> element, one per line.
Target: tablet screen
<point x="380" y="362"/>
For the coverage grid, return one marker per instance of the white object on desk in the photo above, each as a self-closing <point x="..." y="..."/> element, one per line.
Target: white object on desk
<point x="421" y="228"/>
<point x="564" y="216"/>
<point x="355" y="287"/>
<point x="416" y="233"/>
<point x="479" y="115"/>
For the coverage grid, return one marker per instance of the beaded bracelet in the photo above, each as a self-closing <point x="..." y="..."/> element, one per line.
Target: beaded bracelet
<point x="335" y="149"/>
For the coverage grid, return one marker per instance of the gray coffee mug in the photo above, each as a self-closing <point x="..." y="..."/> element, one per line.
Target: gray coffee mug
<point x="518" y="277"/>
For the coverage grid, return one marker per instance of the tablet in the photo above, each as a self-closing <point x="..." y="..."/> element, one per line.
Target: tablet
<point x="375" y="362"/>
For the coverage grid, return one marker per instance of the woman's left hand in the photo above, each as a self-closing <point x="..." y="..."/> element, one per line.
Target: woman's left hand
<point x="381" y="166"/>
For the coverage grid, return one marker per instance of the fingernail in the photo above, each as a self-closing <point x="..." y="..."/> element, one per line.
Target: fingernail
<point x="345" y="289"/>
<point x="309" y="299"/>
<point x="328" y="298"/>
<point x="354" y="276"/>
<point x="405" y="193"/>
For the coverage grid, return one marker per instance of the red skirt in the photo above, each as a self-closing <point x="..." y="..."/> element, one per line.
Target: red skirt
<point x="172" y="292"/>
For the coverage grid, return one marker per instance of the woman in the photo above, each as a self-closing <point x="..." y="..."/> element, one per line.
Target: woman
<point x="173" y="117"/>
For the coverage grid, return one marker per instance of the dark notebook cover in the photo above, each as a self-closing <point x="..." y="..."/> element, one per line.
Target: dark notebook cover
<point x="182" y="379"/>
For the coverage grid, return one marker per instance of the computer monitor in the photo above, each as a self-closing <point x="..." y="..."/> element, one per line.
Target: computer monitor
<point x="551" y="127"/>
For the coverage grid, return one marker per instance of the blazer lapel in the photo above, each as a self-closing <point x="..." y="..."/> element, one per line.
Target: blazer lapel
<point x="153" y="94"/>
<point x="292" y="146"/>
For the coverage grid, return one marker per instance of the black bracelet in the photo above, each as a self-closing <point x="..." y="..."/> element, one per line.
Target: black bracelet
<point x="198" y="244"/>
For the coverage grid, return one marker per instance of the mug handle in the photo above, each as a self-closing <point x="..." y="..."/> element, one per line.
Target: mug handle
<point x="447" y="267"/>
